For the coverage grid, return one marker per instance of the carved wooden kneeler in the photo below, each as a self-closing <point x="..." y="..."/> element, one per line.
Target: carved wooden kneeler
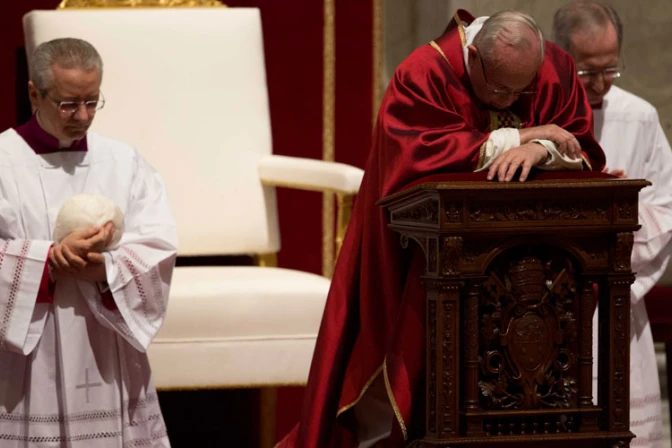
<point x="512" y="274"/>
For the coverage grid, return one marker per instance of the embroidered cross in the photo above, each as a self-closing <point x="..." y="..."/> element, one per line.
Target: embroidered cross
<point x="88" y="385"/>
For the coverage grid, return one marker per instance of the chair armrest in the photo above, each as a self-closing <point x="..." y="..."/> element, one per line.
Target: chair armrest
<point x="310" y="174"/>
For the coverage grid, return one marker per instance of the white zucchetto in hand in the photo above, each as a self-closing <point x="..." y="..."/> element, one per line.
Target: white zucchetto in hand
<point x="87" y="210"/>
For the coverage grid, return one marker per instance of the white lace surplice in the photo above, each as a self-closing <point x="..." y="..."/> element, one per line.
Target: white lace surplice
<point x="629" y="131"/>
<point x="74" y="373"/>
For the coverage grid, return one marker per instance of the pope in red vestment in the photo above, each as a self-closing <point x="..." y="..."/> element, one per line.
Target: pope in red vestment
<point x="431" y="121"/>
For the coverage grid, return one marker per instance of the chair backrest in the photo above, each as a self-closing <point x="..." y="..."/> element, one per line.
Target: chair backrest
<point x="187" y="88"/>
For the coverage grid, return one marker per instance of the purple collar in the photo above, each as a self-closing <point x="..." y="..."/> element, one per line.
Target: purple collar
<point x="44" y="143"/>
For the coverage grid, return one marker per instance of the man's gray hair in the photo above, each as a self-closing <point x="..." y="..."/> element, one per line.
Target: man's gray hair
<point x="68" y="53"/>
<point x="507" y="27"/>
<point x="584" y="15"/>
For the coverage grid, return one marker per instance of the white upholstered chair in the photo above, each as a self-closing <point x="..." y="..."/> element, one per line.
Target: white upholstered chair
<point x="187" y="88"/>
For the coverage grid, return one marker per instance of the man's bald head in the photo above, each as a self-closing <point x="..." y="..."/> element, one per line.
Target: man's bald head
<point x="505" y="57"/>
<point x="511" y="33"/>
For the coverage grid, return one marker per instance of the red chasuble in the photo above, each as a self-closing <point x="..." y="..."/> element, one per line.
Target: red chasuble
<point x="374" y="320"/>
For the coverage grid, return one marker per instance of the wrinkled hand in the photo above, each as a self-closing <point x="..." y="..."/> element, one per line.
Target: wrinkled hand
<point x="79" y="254"/>
<point x="525" y="156"/>
<point x="565" y="141"/>
<point x="618" y="173"/>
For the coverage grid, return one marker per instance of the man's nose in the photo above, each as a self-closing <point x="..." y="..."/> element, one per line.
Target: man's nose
<point x="508" y="100"/>
<point x="82" y="113"/>
<point x="598" y="83"/>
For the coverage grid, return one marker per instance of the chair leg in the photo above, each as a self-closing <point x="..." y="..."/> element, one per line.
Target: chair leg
<point x="268" y="403"/>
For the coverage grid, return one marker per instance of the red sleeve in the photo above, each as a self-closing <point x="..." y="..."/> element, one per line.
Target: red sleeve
<point x="45" y="293"/>
<point x="108" y="301"/>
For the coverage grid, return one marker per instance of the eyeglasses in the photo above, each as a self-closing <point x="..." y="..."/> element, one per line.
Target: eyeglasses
<point x="71" y="107"/>
<point x="608" y="74"/>
<point x="499" y="91"/>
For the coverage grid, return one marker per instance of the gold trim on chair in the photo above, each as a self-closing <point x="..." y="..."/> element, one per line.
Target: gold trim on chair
<point x="344" y="212"/>
<point x="328" y="130"/>
<point x="138" y="3"/>
<point x="268" y="410"/>
<point x="268" y="260"/>
<point x="377" y="57"/>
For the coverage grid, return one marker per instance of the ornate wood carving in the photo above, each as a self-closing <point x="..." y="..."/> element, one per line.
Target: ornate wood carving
<point x="528" y="334"/>
<point x="623" y="251"/>
<point x="449" y="374"/>
<point x="537" y="210"/>
<point x="510" y="304"/>
<point x="627" y="209"/>
<point x="432" y="255"/>
<point x="426" y="211"/>
<point x="429" y="246"/>
<point x="586" y="344"/>
<point x="470" y="341"/>
<point x="621" y="362"/>
<point x="452" y="254"/>
<point x="454" y="212"/>
<point x="431" y="376"/>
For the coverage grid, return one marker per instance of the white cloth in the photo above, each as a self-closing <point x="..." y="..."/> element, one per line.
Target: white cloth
<point x="73" y="373"/>
<point x="629" y="131"/>
<point x="501" y="140"/>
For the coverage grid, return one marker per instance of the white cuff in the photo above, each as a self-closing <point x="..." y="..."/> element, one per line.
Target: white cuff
<point x="557" y="161"/>
<point x="497" y="144"/>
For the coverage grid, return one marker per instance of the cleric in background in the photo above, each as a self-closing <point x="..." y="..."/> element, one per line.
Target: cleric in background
<point x="78" y="313"/>
<point x="629" y="131"/>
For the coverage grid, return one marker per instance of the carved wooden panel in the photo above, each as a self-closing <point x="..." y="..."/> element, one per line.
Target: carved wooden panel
<point x="621" y="362"/>
<point x="431" y="366"/>
<point x="623" y="251"/>
<point x="529" y="333"/>
<point x="509" y="280"/>
<point x="453" y="213"/>
<point x="537" y="210"/>
<point x="452" y="255"/>
<point x="449" y="417"/>
<point x="423" y="212"/>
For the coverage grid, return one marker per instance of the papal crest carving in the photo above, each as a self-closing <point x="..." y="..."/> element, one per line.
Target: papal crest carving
<point x="528" y="327"/>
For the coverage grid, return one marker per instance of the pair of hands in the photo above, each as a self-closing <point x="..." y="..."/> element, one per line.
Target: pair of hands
<point x="79" y="255"/>
<point x="530" y="154"/>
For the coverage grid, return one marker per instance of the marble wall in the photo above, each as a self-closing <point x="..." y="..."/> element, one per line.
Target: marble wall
<point x="647" y="49"/>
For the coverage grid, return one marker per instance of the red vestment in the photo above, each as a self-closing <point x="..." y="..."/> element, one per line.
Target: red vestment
<point x="374" y="321"/>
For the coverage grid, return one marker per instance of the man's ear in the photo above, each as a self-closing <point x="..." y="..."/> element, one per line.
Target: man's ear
<point x="33" y="95"/>
<point x="472" y="52"/>
<point x="472" y="56"/>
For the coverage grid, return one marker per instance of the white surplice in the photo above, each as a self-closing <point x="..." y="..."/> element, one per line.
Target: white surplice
<point x="73" y="373"/>
<point x="629" y="131"/>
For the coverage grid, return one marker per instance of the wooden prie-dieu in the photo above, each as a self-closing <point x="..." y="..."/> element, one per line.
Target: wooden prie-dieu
<point x="512" y="274"/>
